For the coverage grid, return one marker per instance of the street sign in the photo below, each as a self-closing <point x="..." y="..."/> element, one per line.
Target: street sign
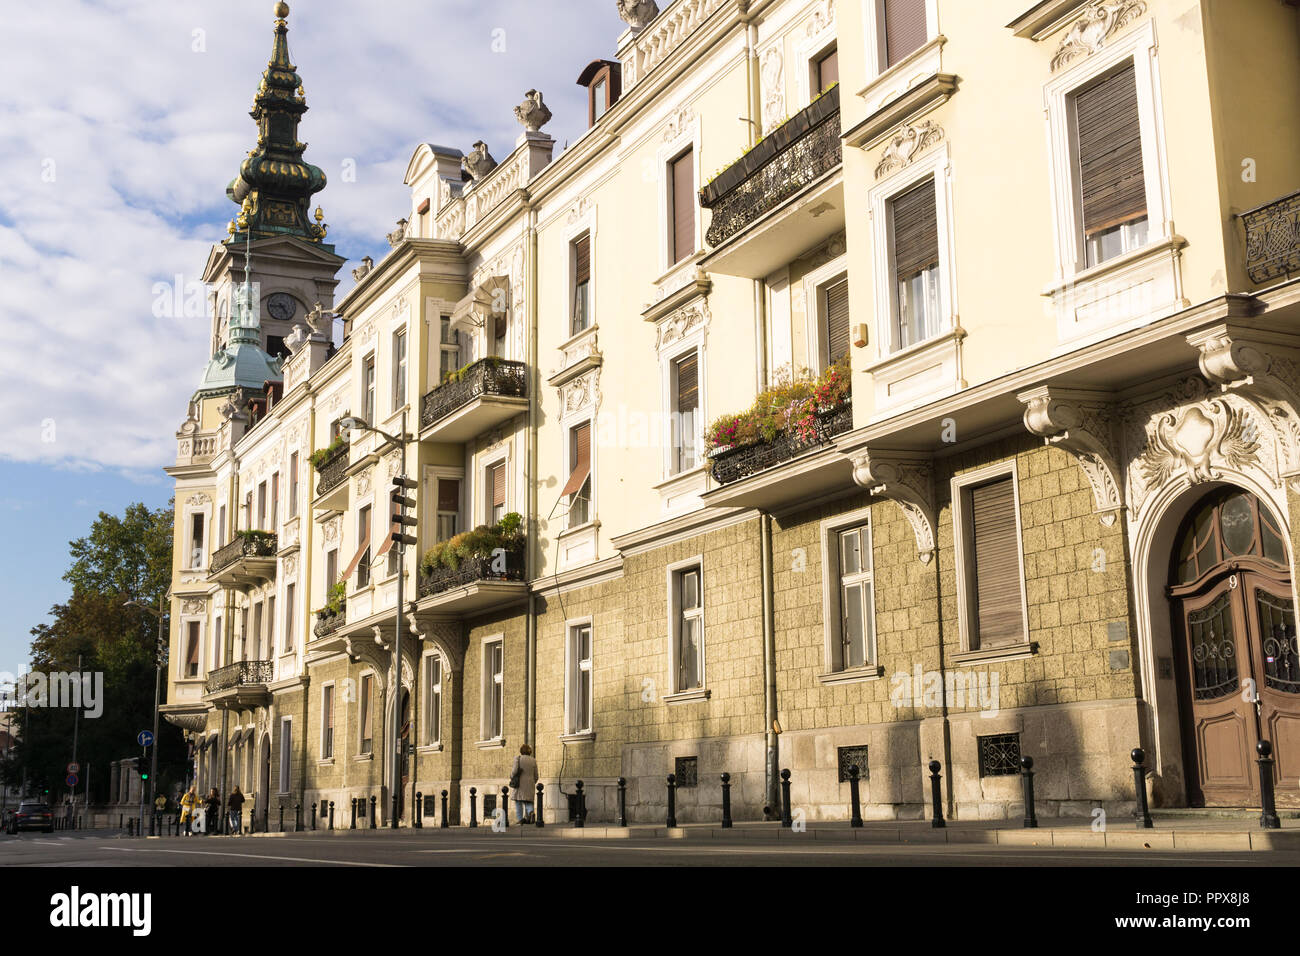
<point x="145" y="738"/>
<point x="72" y="780"/>
<point x="74" y="768"/>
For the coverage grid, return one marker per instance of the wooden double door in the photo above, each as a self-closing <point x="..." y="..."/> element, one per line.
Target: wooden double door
<point x="1236" y="651"/>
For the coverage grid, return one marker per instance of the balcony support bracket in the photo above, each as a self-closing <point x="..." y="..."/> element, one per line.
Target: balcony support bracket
<point x="907" y="480"/>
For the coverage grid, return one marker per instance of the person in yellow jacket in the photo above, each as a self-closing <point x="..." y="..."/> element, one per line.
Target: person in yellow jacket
<point x="188" y="803"/>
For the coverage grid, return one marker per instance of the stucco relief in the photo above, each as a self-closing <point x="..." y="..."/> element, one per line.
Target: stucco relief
<point x="773" y="73"/>
<point x="198" y="500"/>
<point x="908" y="143"/>
<point x="682" y="323"/>
<point x="582" y="392"/>
<point x="330" y="532"/>
<point x="678" y="122"/>
<point x="194" y="606"/>
<point x="1097" y="23"/>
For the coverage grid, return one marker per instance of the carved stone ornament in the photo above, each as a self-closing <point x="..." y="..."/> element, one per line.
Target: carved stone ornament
<point x="331" y="530"/>
<point x="532" y="113"/>
<point x="1194" y="442"/>
<point x="580" y="209"/>
<point x="821" y="19"/>
<point x="291" y="565"/>
<point x="363" y="482"/>
<point x="582" y="392"/>
<point x="682" y="323"/>
<point x="678" y="122"/>
<point x="773" y="68"/>
<point x="909" y="482"/>
<point x="1079" y="422"/>
<point x="197" y="500"/>
<point x="908" y="143"/>
<point x="445" y="638"/>
<point x="194" y="606"/>
<point x="1097" y="23"/>
<point x="637" y="13"/>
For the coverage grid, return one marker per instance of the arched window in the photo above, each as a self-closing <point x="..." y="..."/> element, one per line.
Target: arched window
<point x="1226" y="524"/>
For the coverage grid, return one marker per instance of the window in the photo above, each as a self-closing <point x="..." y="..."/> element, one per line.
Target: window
<point x="286" y="752"/>
<point x="217" y="642"/>
<point x="989" y="576"/>
<point x="685" y="391"/>
<point x="681" y="206"/>
<point x="327" y="722"/>
<point x="221" y="527"/>
<point x="289" y="592"/>
<point x="578" y="487"/>
<point x="399" y="369"/>
<point x="433" y="700"/>
<point x="496" y="492"/>
<point x="905" y="29"/>
<point x="361" y="563"/>
<point x="275" y="501"/>
<point x="599" y="99"/>
<point x="1110" y="181"/>
<point x="192" y="649"/>
<point x="581" y="284"/>
<point x="257" y="631"/>
<point x="578" y="690"/>
<point x="855" y="605"/>
<point x="261" y="506"/>
<point x="243" y="633"/>
<point x="450" y="346"/>
<point x="826" y="71"/>
<point x="388" y="547"/>
<point x="493" y="685"/>
<point x="915" y="229"/>
<point x="367" y="716"/>
<point x="368" y="389"/>
<point x="331" y="567"/>
<point x="448" y="516"/>
<point x="196" y="541"/>
<point x="688" y="629"/>
<point x="833" y="300"/>
<point x="270" y="626"/>
<point x="293" y="485"/>
<point x="248" y="512"/>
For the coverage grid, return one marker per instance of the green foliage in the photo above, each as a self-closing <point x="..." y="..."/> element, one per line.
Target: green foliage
<point x="791" y="404"/>
<point x="321" y="455"/>
<point x="491" y="361"/>
<point x="335" y="598"/>
<point x="256" y="537"/>
<point x="481" y="542"/>
<point x="130" y="555"/>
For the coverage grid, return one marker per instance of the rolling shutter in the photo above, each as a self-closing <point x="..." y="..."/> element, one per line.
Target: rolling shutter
<point x="688" y="384"/>
<point x="837" y="320"/>
<point x="582" y="254"/>
<point x="916" y="231"/>
<point x="683" y="205"/>
<point x="905" y="28"/>
<point x="1111" y="183"/>
<point x="581" y="459"/>
<point x="498" y="483"/>
<point x="999" y="618"/>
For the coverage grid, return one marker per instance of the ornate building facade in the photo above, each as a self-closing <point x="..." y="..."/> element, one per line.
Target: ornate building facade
<point x="953" y="418"/>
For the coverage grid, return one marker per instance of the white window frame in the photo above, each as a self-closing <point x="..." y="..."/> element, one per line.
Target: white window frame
<point x="873" y="22"/>
<point x="570" y="459"/>
<point x="289" y="645"/>
<point x="584" y="224"/>
<point x="433" y="693"/>
<point x="814" y="296"/>
<point x="365" y="706"/>
<point x="334" y="720"/>
<point x="294" y="482"/>
<point x="687" y="138"/>
<point x="809" y="50"/>
<point x="486" y="464"/>
<point x="429" y="516"/>
<point x="963" y="540"/>
<point x="672" y="573"/>
<point x="401" y="368"/>
<point x="933" y="165"/>
<point x="370" y="576"/>
<point x="573" y="666"/>
<point x="488" y="679"/>
<point x="668" y="360"/>
<point x="369" y="402"/>
<point x="286" y="755"/>
<point x="185" y="622"/>
<point x="209" y="536"/>
<point x="832" y="596"/>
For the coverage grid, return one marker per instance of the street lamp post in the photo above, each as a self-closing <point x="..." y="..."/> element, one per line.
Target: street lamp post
<point x="159" y="652"/>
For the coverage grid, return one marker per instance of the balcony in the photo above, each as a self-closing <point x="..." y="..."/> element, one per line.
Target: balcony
<point x="247" y="561"/>
<point x="241" y="684"/>
<point x="781" y="198"/>
<point x="1273" y="239"/>
<point x="328" y="621"/>
<point x="479" y="398"/>
<point x="477" y="584"/>
<point x="332" y="484"/>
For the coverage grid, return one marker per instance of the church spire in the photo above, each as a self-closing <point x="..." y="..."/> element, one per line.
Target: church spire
<point x="274" y="186"/>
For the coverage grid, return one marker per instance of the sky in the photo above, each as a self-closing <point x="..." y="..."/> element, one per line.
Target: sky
<point x="121" y="123"/>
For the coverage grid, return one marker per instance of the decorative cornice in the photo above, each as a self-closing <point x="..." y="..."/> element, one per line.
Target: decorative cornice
<point x="906" y="479"/>
<point x="1096" y="24"/>
<point x="1079" y="421"/>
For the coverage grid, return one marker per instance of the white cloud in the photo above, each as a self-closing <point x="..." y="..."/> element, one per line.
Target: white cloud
<point x="140" y="135"/>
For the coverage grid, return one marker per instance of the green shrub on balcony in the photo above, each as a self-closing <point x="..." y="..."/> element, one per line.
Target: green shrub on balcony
<point x="256" y="537"/>
<point x="491" y="361"/>
<point x="790" y="405"/>
<point x="335" y="598"/>
<point x="481" y="542"/>
<point x="321" y="455"/>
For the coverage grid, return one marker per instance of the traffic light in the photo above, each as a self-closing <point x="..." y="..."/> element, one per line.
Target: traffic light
<point x="400" y="504"/>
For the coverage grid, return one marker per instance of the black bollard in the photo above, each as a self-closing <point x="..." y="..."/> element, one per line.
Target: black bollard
<point x="313" y="815"/>
<point x="1268" y="819"/>
<point x="936" y="797"/>
<point x="372" y="811"/>
<point x="672" y="801"/>
<point x="505" y="806"/>
<point x="445" y="822"/>
<point x="393" y="818"/>
<point x="786" y="819"/>
<point x="473" y="807"/>
<point x="331" y="814"/>
<point x="622" y="801"/>
<point x="726" y="801"/>
<point x="580" y="814"/>
<point x="855" y="797"/>
<point x="539" y="806"/>
<point x="1141" y="813"/>
<point x="1027" y="778"/>
<point x="419" y="810"/>
<point x="353" y="825"/>
<point x="282" y="818"/>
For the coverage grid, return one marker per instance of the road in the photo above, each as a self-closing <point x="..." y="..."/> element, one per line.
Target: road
<point x="484" y="848"/>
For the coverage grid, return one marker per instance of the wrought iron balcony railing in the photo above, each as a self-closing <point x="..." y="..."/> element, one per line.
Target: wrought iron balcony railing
<point x="241" y="674"/>
<point x="1273" y="239"/>
<point x="795" y="154"/>
<point x="327" y="622"/>
<point x="474" y="570"/>
<point x="333" y="471"/>
<point x="745" y="460"/>
<point x="251" y="546"/>
<point x="488" y="376"/>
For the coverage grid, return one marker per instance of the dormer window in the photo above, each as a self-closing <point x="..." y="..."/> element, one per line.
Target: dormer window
<point x="604" y="82"/>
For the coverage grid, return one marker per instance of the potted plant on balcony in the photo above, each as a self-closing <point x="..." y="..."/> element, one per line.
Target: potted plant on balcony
<point x="483" y="541"/>
<point x="321" y="456"/>
<point x="336" y="599"/>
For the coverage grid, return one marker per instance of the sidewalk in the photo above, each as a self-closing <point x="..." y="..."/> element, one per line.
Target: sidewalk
<point x="1172" y="832"/>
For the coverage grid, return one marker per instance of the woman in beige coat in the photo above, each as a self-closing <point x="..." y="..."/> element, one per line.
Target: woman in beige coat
<point x="523" y="780"/>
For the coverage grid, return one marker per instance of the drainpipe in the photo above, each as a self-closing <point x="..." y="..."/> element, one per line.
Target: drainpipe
<point x="530" y="477"/>
<point x="771" y="767"/>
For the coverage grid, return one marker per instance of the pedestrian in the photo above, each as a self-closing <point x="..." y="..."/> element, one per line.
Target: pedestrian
<point x="523" y="781"/>
<point x="212" y="814"/>
<point x="236" y="805"/>
<point x="188" y="803"/>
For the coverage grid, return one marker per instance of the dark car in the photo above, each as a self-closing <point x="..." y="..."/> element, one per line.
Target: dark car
<point x="32" y="816"/>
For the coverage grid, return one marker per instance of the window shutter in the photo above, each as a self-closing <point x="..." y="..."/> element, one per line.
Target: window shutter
<point x="393" y="528"/>
<point x="581" y="459"/>
<point x="905" y="28"/>
<point x="688" y="384"/>
<point x="499" y="485"/>
<point x="363" y="543"/>
<point x="582" y="253"/>
<point x="916" y="231"/>
<point x="683" y="205"/>
<point x="1109" y="132"/>
<point x="998" y="614"/>
<point x="448" y="495"/>
<point x="837" y="320"/>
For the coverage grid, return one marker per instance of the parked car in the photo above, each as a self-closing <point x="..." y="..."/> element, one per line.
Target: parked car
<point x="32" y="815"/>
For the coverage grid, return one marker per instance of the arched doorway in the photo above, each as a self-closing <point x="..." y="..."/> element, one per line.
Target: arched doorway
<point x="1235" y="650"/>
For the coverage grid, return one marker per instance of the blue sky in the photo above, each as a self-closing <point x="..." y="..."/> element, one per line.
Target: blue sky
<point x="121" y="122"/>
